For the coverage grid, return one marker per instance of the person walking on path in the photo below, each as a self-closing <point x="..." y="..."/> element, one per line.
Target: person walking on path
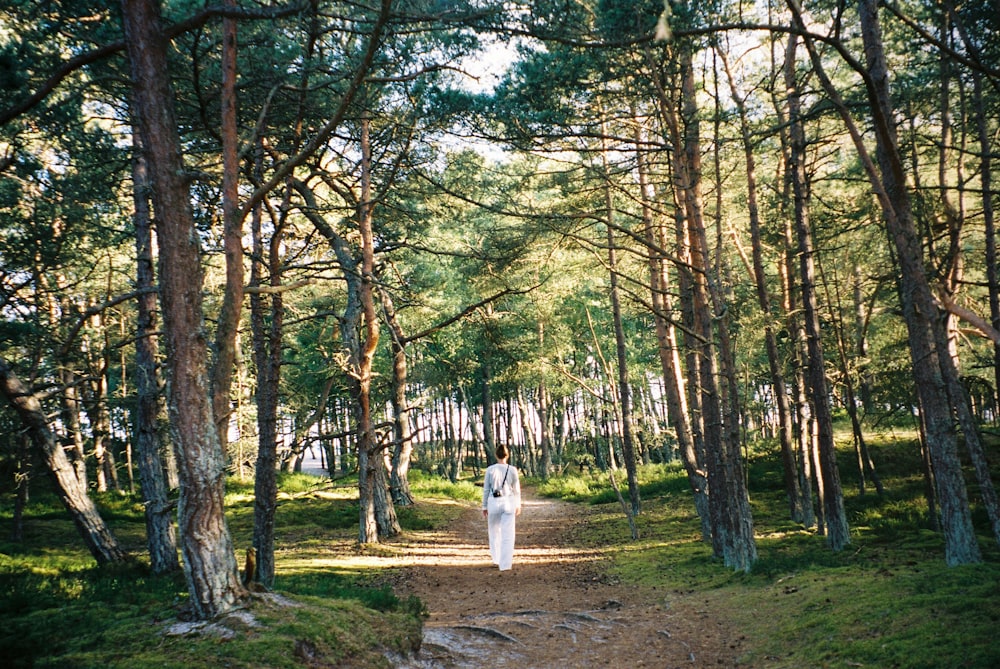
<point x="501" y="505"/>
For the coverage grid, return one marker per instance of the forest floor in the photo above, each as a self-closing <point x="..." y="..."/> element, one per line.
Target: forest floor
<point x="557" y="608"/>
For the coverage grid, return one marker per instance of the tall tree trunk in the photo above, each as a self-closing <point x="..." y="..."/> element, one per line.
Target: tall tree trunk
<point x="670" y="364"/>
<point x="267" y="348"/>
<point x="866" y="467"/>
<point x="100" y="421"/>
<point x="228" y="319"/>
<point x="489" y="427"/>
<point x="209" y="560"/>
<point x="989" y="223"/>
<point x="545" y="418"/>
<point x="371" y="468"/>
<point x="624" y="386"/>
<point x="732" y="523"/>
<point x="785" y="436"/>
<point x="96" y="535"/>
<point x="837" y="530"/>
<point x="160" y="534"/>
<point x="919" y="309"/>
<point x="690" y="397"/>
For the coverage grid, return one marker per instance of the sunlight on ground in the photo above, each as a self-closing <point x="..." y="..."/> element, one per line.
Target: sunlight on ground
<point x="447" y="549"/>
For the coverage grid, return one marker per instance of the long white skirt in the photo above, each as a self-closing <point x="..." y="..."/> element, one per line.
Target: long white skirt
<point x="500" y="525"/>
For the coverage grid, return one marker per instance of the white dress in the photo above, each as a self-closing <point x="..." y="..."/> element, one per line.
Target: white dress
<point x="501" y="511"/>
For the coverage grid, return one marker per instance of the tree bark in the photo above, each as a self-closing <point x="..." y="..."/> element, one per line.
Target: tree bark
<point x="670" y="364"/>
<point x="919" y="309"/>
<point x="785" y="436"/>
<point x="399" y="482"/>
<point x="837" y="530"/>
<point x="232" y="235"/>
<point x="624" y="386"/>
<point x="98" y="538"/>
<point x="160" y="533"/>
<point x="732" y="522"/>
<point x="209" y="561"/>
<point x="267" y="348"/>
<point x="371" y="469"/>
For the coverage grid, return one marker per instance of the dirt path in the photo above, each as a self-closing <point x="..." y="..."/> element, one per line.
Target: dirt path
<point x="554" y="610"/>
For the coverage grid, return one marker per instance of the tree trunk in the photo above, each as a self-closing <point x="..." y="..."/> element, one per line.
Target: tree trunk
<point x="985" y="180"/>
<point x="785" y="437"/>
<point x="228" y="319"/>
<point x="267" y="358"/>
<point x="209" y="561"/>
<point x="22" y="484"/>
<point x="837" y="530"/>
<point x="732" y="523"/>
<point x="624" y="386"/>
<point x="919" y="309"/>
<point x="160" y="533"/>
<point x="399" y="482"/>
<point x="371" y="469"/>
<point x="545" y="418"/>
<point x="96" y="534"/>
<point x="670" y="364"/>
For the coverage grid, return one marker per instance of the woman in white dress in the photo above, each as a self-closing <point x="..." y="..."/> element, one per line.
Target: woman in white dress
<point x="501" y="505"/>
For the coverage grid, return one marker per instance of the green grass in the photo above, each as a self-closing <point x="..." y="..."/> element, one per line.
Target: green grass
<point x="888" y="600"/>
<point x="57" y="609"/>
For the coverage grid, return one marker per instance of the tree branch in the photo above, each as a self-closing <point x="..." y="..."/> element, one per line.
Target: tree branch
<point x="102" y="52"/>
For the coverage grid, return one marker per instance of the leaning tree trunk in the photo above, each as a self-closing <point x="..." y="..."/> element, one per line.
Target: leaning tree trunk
<point x="209" y="560"/>
<point x="160" y="533"/>
<point x="73" y="494"/>
<point x="919" y="308"/>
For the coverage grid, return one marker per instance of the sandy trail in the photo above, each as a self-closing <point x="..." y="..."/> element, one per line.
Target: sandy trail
<point x="555" y="609"/>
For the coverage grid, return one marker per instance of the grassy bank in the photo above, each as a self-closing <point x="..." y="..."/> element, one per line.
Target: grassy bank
<point x="58" y="610"/>
<point x="887" y="600"/>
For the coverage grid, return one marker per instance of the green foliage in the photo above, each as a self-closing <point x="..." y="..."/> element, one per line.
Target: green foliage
<point x="423" y="484"/>
<point x="594" y="486"/>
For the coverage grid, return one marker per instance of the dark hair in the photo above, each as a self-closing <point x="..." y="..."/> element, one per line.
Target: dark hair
<point x="501" y="452"/>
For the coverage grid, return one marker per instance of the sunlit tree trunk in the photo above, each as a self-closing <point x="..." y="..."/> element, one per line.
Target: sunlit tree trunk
<point x="399" y="481"/>
<point x="670" y="364"/>
<point x="228" y="319"/>
<point x="209" y="559"/>
<point x="376" y="505"/>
